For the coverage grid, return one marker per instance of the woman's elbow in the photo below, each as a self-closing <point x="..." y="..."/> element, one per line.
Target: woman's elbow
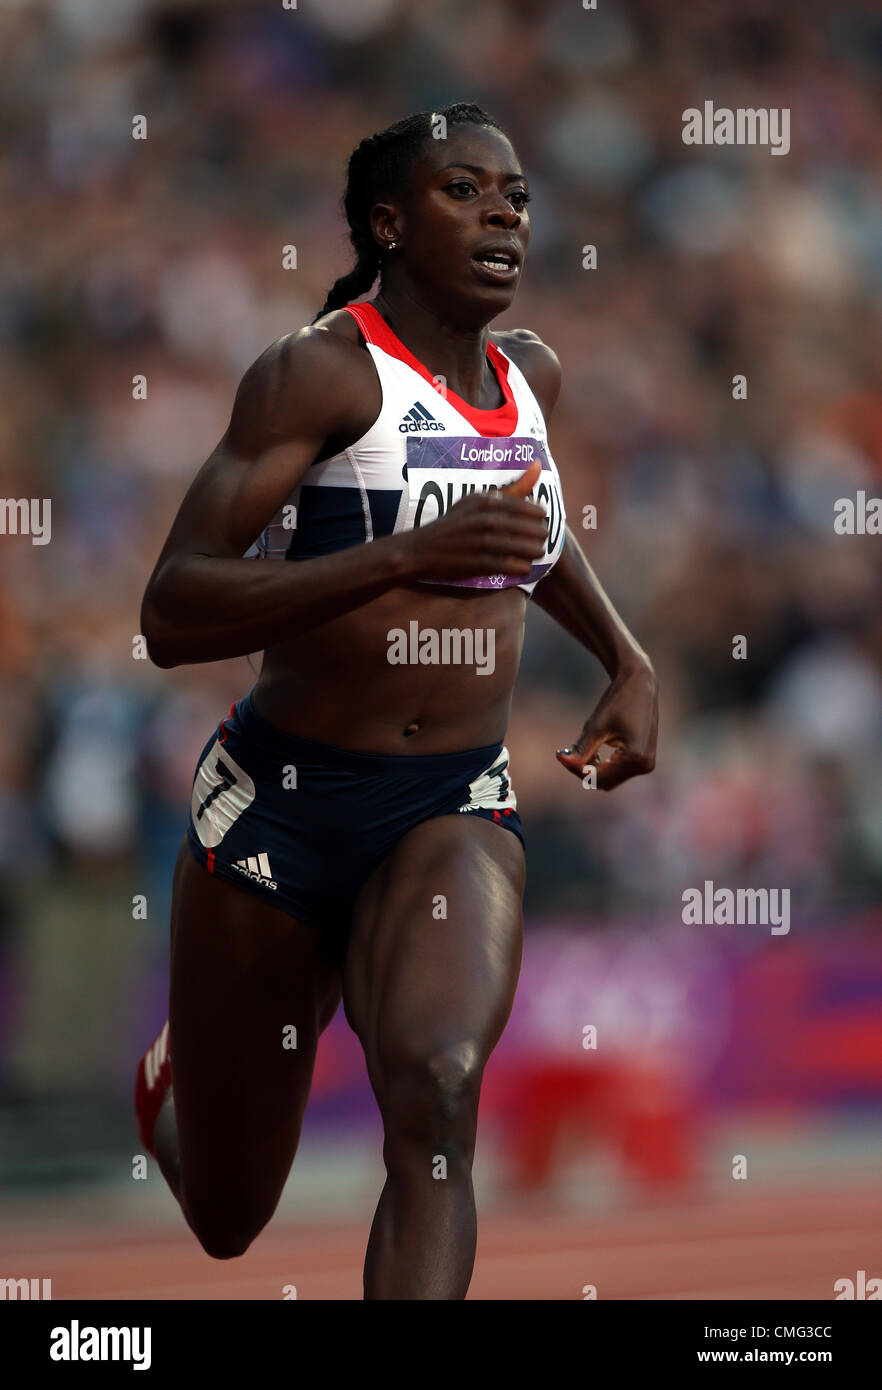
<point x="156" y="637"/>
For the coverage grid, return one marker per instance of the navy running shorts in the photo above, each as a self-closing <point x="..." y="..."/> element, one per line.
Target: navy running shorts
<point x="304" y="824"/>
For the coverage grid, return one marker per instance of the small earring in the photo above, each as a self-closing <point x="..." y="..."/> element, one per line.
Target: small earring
<point x="390" y="245"/>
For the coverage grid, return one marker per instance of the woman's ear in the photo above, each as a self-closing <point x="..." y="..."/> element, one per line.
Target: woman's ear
<point x="386" y="225"/>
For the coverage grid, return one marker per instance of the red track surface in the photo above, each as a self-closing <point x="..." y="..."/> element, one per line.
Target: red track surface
<point x="771" y="1246"/>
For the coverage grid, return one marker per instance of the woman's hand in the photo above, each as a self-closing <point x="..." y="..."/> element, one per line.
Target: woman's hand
<point x="483" y="533"/>
<point x="627" y="719"/>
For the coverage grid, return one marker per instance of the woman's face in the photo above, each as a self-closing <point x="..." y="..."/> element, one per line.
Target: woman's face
<point x="466" y="206"/>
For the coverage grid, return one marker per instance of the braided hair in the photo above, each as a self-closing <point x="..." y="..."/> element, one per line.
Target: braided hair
<point x="381" y="164"/>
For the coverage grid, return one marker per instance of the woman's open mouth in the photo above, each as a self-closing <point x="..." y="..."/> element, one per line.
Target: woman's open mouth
<point x="496" y="266"/>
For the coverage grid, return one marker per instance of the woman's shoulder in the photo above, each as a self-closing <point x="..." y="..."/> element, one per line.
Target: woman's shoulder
<point x="313" y="348"/>
<point x="295" y="384"/>
<point x="539" y="364"/>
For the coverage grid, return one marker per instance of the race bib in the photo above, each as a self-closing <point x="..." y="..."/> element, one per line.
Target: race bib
<point x="441" y="471"/>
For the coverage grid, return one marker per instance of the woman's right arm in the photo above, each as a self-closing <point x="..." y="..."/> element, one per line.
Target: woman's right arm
<point x="206" y="602"/>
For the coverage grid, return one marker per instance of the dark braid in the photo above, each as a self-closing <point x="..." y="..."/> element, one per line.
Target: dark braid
<point x="380" y="165"/>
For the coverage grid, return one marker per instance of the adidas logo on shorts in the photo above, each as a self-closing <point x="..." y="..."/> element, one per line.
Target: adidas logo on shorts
<point x="418" y="419"/>
<point x="258" y="868"/>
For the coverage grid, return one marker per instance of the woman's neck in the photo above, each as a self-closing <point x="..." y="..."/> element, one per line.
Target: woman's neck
<point x="458" y="354"/>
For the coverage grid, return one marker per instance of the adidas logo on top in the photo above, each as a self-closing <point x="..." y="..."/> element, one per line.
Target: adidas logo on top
<point x="258" y="868"/>
<point x="418" y="419"/>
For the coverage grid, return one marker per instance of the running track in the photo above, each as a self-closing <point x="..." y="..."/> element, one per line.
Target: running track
<point x="774" y="1245"/>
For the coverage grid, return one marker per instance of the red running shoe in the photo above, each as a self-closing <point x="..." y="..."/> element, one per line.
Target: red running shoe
<point x="152" y="1080"/>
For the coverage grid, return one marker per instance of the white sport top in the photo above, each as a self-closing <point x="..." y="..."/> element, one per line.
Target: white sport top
<point x="426" y="449"/>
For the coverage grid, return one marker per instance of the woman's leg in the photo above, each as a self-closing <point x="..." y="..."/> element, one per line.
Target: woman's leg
<point x="429" y="981"/>
<point x="242" y="973"/>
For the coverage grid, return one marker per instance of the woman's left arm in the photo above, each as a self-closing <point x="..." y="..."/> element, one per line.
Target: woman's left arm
<point x="627" y="715"/>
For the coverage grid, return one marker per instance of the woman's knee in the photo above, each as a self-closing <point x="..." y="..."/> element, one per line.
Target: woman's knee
<point x="223" y="1228"/>
<point x="431" y="1094"/>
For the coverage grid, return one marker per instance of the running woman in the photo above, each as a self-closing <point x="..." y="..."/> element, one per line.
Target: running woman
<point x="354" y="828"/>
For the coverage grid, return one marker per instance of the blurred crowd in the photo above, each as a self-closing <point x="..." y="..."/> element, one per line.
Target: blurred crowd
<point x="163" y="257"/>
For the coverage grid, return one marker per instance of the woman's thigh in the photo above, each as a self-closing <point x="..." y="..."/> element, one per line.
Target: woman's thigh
<point x="435" y="949"/>
<point x="251" y="990"/>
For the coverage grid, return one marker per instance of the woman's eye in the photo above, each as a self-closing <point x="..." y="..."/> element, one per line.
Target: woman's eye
<point x="518" y="198"/>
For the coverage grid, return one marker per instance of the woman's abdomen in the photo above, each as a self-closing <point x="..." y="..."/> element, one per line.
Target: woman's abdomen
<point x="444" y="661"/>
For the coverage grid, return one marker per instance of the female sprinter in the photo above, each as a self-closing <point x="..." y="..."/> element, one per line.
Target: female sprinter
<point x="353" y="826"/>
